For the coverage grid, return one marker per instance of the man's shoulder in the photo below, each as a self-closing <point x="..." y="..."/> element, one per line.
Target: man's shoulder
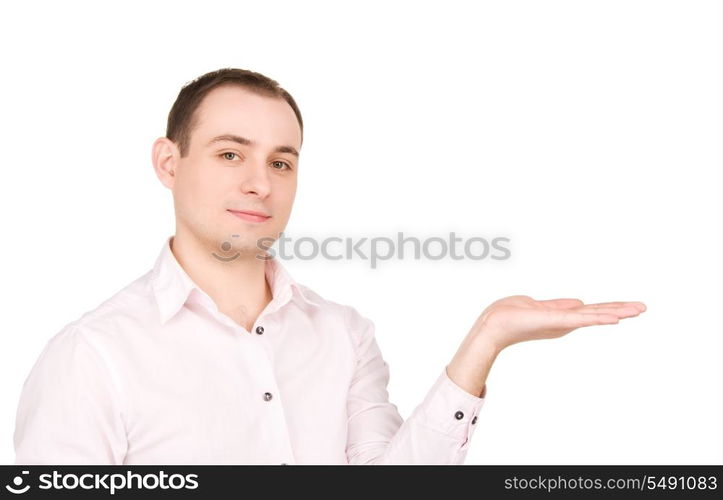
<point x="349" y="314"/>
<point x="133" y="303"/>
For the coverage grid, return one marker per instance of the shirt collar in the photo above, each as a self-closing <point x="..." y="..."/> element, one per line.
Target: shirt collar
<point x="172" y="286"/>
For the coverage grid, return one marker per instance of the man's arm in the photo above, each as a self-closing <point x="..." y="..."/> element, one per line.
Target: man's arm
<point x="69" y="410"/>
<point x="438" y="431"/>
<point x="377" y="434"/>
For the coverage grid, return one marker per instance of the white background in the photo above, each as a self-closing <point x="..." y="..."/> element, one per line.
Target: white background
<point x="588" y="132"/>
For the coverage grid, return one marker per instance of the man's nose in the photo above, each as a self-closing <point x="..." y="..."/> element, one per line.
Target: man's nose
<point x="255" y="179"/>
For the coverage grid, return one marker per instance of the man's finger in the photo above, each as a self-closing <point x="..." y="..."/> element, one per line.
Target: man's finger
<point x="562" y="303"/>
<point x="569" y="319"/>
<point x="638" y="305"/>
<point x="617" y="310"/>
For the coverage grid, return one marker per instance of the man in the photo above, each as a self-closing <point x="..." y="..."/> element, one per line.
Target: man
<point x="216" y="356"/>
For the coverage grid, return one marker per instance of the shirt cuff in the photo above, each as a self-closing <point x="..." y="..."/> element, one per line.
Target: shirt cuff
<point x="451" y="409"/>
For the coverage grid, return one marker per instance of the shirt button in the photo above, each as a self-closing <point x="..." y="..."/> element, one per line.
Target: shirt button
<point x="474" y="420"/>
<point x="267" y="396"/>
<point x="459" y="415"/>
<point x="284" y="463"/>
<point x="259" y="330"/>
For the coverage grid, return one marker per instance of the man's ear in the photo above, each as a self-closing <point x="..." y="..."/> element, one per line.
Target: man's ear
<point x="164" y="156"/>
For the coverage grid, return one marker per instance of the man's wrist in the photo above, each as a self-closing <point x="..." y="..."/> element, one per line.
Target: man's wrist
<point x="471" y="365"/>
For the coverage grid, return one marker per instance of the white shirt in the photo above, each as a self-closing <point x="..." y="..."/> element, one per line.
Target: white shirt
<point x="157" y="375"/>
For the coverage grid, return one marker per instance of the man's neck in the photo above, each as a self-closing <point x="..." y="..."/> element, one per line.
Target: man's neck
<point x="238" y="287"/>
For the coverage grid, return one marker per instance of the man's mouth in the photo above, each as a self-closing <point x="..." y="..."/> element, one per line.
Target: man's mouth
<point x="250" y="215"/>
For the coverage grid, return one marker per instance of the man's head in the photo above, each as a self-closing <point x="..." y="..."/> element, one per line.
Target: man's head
<point x="231" y="144"/>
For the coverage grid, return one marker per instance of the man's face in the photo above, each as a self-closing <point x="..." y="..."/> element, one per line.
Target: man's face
<point x="220" y="175"/>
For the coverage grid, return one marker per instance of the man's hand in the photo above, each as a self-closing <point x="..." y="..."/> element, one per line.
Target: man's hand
<point x="519" y="318"/>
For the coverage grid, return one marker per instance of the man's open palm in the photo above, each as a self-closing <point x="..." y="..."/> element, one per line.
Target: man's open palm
<point x="519" y="318"/>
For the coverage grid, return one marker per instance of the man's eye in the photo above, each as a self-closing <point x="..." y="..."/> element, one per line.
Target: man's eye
<point x="226" y="157"/>
<point x="288" y="167"/>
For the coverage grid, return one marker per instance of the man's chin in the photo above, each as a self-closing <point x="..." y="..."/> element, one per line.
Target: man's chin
<point x="235" y="246"/>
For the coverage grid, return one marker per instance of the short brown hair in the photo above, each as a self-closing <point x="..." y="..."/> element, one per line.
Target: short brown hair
<point x="182" y="118"/>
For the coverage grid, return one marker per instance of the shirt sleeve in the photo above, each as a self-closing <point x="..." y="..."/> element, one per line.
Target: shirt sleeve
<point x="438" y="431"/>
<point x="69" y="411"/>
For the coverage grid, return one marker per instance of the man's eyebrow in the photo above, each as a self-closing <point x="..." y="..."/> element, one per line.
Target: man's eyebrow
<point x="248" y="142"/>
